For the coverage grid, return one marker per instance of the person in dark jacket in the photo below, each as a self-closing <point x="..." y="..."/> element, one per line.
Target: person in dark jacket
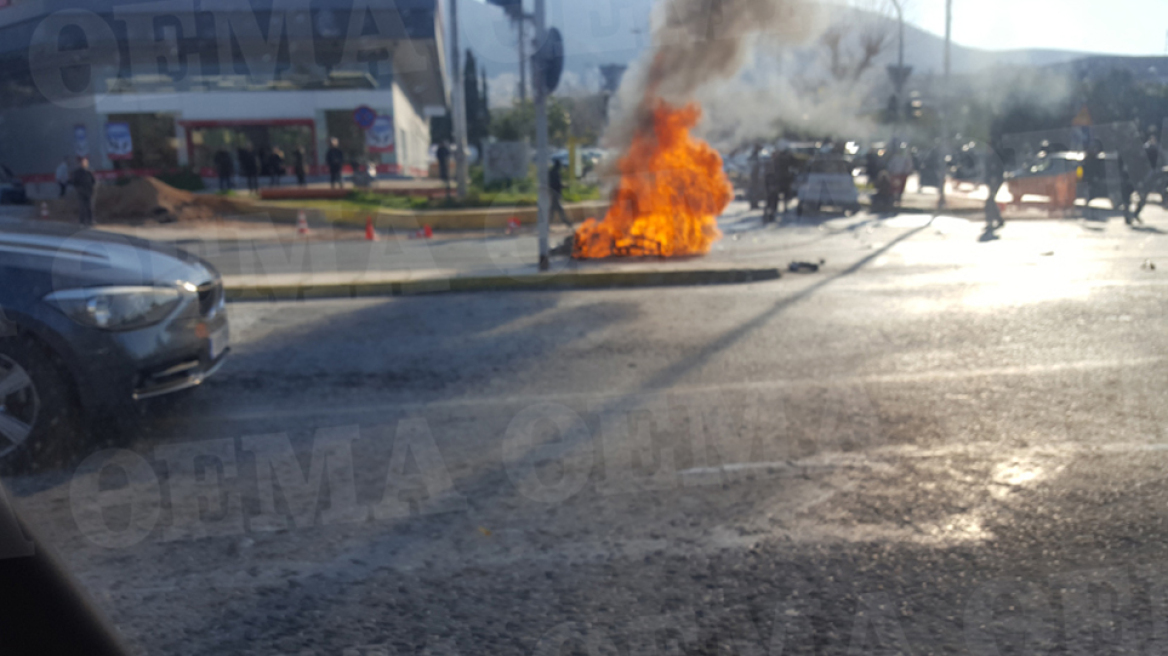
<point x="780" y="181"/>
<point x="335" y="159"/>
<point x="995" y="176"/>
<point x="85" y="183"/>
<point x="226" y="169"/>
<point x="556" y="186"/>
<point x="276" y="166"/>
<point x="248" y="167"/>
<point x="298" y="167"/>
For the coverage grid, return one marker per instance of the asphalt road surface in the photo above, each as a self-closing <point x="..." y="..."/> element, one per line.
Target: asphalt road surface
<point x="934" y="445"/>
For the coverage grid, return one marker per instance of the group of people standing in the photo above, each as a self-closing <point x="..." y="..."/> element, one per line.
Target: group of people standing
<point x="260" y="162"/>
<point x="772" y="181"/>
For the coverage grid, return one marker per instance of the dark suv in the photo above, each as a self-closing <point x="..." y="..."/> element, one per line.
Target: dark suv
<point x="91" y="321"/>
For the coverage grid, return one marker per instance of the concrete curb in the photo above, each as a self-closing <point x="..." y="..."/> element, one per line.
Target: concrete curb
<point x="453" y="219"/>
<point x="236" y="291"/>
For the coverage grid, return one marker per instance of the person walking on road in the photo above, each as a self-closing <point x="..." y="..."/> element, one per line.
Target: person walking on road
<point x="556" y="186"/>
<point x="63" y="176"/>
<point x="995" y="176"/>
<point x="335" y="159"/>
<point x="85" y="183"/>
<point x="298" y="167"/>
<point x="225" y="168"/>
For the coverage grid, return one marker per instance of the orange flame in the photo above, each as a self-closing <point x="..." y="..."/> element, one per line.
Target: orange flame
<point x="671" y="191"/>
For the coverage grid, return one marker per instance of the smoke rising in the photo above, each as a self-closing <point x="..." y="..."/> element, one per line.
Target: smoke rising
<point x="696" y="42"/>
<point x="761" y="67"/>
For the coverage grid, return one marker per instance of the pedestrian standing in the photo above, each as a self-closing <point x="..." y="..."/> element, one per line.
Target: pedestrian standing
<point x="298" y="167"/>
<point x="556" y="186"/>
<point x="334" y="158"/>
<point x="872" y="165"/>
<point x="276" y="166"/>
<point x="226" y="169"/>
<point x="249" y="168"/>
<point x="757" y="177"/>
<point x="63" y="176"/>
<point x="900" y="167"/>
<point x="85" y="183"/>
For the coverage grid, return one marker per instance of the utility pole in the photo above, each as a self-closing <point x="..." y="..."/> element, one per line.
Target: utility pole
<point x="945" y="104"/>
<point x="458" y="99"/>
<point x="900" y="75"/>
<point x="541" y="132"/>
<point x="522" y="22"/>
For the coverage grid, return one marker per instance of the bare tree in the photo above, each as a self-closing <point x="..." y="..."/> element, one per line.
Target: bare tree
<point x="865" y="30"/>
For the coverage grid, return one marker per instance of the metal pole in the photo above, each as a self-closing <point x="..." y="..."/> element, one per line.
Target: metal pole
<point x="541" y="134"/>
<point x="945" y="141"/>
<point x="458" y="99"/>
<point x="522" y="57"/>
<point x="899" y="79"/>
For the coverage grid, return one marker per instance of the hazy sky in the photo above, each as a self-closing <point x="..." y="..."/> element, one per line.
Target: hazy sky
<point x="1129" y="27"/>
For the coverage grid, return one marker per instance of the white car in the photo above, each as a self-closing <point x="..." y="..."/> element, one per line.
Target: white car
<point x="828" y="182"/>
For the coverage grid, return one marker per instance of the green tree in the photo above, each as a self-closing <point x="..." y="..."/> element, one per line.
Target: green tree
<point x="518" y="123"/>
<point x="477" y="120"/>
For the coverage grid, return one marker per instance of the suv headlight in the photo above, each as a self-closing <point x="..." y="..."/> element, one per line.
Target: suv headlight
<point x="117" y="308"/>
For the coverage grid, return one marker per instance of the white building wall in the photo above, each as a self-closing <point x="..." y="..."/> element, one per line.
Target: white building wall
<point x="413" y="134"/>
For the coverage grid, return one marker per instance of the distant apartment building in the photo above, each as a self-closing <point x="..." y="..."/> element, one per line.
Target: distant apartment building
<point x="149" y="86"/>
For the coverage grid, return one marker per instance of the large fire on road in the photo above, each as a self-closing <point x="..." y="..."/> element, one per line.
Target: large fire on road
<point x="672" y="189"/>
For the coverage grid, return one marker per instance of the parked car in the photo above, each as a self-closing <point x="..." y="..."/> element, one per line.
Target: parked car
<point x="92" y="322"/>
<point x="11" y="188"/>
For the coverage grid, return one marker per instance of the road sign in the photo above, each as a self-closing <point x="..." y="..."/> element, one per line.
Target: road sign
<point x="379" y="136"/>
<point x="364" y="116"/>
<point x="119" y="145"/>
<point x="899" y="75"/>
<point x="550" y="59"/>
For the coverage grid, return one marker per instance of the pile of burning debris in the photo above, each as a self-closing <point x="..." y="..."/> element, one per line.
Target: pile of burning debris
<point x="633" y="246"/>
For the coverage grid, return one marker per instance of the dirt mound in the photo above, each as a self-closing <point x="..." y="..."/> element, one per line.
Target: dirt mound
<point x="142" y="200"/>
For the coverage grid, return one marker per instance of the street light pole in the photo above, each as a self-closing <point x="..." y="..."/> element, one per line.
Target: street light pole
<point x="539" y="79"/>
<point x="945" y="100"/>
<point x="457" y="98"/>
<point x="900" y="72"/>
<point x="522" y="22"/>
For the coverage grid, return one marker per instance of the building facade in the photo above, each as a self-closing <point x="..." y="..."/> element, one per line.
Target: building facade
<point x="165" y="84"/>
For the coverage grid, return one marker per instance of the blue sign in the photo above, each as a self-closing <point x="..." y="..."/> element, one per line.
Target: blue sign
<point x="379" y="136"/>
<point x="364" y="116"/>
<point x="118" y="143"/>
<point x="80" y="141"/>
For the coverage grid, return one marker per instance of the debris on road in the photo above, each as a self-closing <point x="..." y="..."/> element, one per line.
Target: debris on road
<point x="1148" y="265"/>
<point x="805" y="267"/>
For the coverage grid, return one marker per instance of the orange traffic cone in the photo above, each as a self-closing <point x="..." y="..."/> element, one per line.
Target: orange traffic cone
<point x="370" y="233"/>
<point x="44" y="210"/>
<point x="302" y="223"/>
<point x="428" y="232"/>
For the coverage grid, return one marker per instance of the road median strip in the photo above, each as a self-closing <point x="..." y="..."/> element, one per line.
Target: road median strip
<point x="255" y="288"/>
